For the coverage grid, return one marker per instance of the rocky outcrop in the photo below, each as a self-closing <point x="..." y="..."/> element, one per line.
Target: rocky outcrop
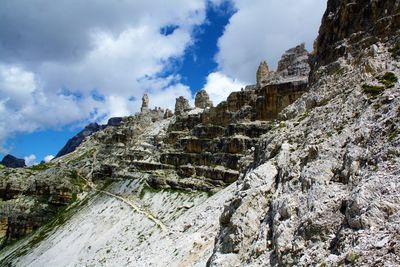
<point x="145" y="103"/>
<point x="202" y="100"/>
<point x="350" y="26"/>
<point x="304" y="174"/>
<point x="12" y="162"/>
<point x="294" y="63"/>
<point x="262" y="72"/>
<point x="181" y="105"/>
<point x="293" y="66"/>
<point x="75" y="141"/>
<point x="262" y="103"/>
<point x="116" y="121"/>
<point x="324" y="188"/>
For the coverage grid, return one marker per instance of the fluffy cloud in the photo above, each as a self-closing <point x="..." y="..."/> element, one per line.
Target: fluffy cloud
<point x="30" y="160"/>
<point x="257" y="31"/>
<point x="264" y="30"/>
<point x="219" y="86"/>
<point x="48" y="158"/>
<point x="72" y="61"/>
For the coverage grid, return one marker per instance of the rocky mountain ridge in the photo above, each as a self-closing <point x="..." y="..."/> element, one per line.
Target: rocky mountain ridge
<point x="12" y="162"/>
<point x="296" y="170"/>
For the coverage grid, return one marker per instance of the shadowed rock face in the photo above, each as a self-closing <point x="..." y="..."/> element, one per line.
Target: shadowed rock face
<point x="349" y="26"/>
<point x="12" y="162"/>
<point x="90" y="129"/>
<point x="75" y="141"/>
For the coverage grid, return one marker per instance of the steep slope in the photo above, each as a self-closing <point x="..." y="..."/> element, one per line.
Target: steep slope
<point x="333" y="197"/>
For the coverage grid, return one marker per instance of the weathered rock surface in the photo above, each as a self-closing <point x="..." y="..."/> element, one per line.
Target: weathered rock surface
<point x="202" y="100"/>
<point x="326" y="186"/>
<point x="262" y="72"/>
<point x="145" y="103"/>
<point x="181" y="105"/>
<point x="350" y="26"/>
<point x="292" y="67"/>
<point x="75" y="141"/>
<point x="301" y="174"/>
<point x="12" y="162"/>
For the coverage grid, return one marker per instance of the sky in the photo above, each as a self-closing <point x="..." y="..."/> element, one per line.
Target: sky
<point x="66" y="63"/>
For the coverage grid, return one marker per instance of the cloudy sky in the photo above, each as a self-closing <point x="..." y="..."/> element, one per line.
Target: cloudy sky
<point x="69" y="62"/>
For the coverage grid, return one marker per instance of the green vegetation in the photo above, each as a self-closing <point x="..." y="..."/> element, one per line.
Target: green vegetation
<point x="2" y="166"/>
<point x="40" y="167"/>
<point x="76" y="179"/>
<point x="393" y="135"/>
<point x="389" y="79"/>
<point x="352" y="257"/>
<point x="303" y="116"/>
<point x="395" y="50"/>
<point x="372" y="89"/>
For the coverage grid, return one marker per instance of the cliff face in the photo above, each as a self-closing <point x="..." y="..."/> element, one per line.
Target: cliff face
<point x="325" y="189"/>
<point x="285" y="172"/>
<point x="349" y="26"/>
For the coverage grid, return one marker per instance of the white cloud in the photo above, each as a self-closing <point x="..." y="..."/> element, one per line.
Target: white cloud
<point x="219" y="86"/>
<point x="30" y="160"/>
<point x="117" y="51"/>
<point x="53" y="62"/>
<point x="48" y="158"/>
<point x="264" y="30"/>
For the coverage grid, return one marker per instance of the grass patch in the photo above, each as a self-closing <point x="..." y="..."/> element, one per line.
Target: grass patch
<point x="395" y="50"/>
<point x="303" y="116"/>
<point x="76" y="179"/>
<point x="388" y="79"/>
<point x="40" y="167"/>
<point x="2" y="166"/>
<point x="393" y="135"/>
<point x="372" y="89"/>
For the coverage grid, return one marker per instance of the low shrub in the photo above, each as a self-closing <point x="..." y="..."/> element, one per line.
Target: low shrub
<point x="372" y="89"/>
<point x="389" y="79"/>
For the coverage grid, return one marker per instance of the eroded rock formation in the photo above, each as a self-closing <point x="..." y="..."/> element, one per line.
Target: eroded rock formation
<point x="202" y="100"/>
<point x="292" y="67"/>
<point x="145" y="103"/>
<point x="302" y="174"/>
<point x="181" y="105"/>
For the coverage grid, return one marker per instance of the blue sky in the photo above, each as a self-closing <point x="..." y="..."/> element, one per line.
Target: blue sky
<point x="65" y="64"/>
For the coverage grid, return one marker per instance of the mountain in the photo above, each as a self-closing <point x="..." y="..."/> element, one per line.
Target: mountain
<point x="12" y="162"/>
<point x="300" y="169"/>
<point x="89" y="129"/>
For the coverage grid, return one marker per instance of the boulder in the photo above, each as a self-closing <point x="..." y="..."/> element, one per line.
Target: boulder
<point x="116" y="121"/>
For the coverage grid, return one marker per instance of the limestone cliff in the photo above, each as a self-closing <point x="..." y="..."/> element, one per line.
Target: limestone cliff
<point x="291" y="171"/>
